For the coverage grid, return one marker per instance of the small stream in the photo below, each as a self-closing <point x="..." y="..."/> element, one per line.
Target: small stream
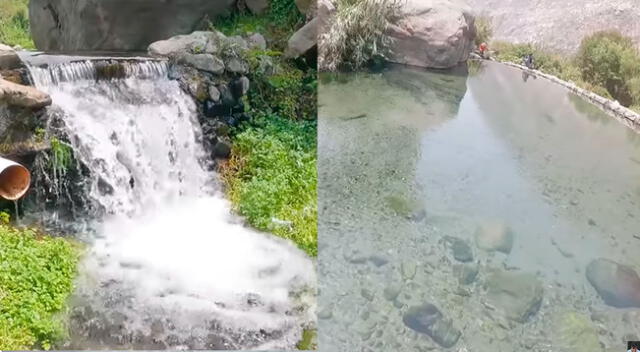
<point x="485" y="195"/>
<point x="167" y="265"/>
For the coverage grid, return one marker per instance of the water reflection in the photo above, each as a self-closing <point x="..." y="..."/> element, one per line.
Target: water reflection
<point x="471" y="212"/>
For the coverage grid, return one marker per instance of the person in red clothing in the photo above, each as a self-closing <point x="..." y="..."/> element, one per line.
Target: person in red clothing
<point x="483" y="50"/>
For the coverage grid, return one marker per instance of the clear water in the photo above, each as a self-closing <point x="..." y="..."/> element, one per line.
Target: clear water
<point x="436" y="156"/>
<point x="167" y="265"/>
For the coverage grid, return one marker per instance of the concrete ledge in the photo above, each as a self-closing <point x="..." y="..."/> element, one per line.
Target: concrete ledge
<point x="611" y="107"/>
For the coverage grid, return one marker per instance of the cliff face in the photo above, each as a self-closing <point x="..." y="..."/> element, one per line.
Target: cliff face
<point x="558" y="24"/>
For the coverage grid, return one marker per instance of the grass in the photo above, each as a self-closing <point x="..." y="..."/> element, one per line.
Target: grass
<point x="279" y="22"/>
<point x="14" y="23"/>
<point x="271" y="178"/>
<point x="36" y="277"/>
<point x="356" y="35"/>
<point x="606" y="64"/>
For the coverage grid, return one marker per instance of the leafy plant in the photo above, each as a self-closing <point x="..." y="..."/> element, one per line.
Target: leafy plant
<point x="610" y="60"/>
<point x="36" y="277"/>
<point x="61" y="156"/>
<point x="484" y="30"/>
<point x="271" y="178"/>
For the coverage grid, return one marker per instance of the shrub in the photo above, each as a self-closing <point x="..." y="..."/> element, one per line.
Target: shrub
<point x="14" y="23"/>
<point x="484" y="30"/>
<point x="36" y="276"/>
<point x="610" y="60"/>
<point x="357" y="33"/>
<point x="271" y="178"/>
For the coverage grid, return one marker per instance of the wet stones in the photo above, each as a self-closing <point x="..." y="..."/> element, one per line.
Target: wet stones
<point x="571" y="329"/>
<point x="466" y="273"/>
<point x="427" y="319"/>
<point x="494" y="236"/>
<point x="618" y="285"/>
<point x="461" y="250"/>
<point x="518" y="295"/>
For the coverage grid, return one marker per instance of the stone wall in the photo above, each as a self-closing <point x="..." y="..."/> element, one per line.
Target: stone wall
<point x="611" y="107"/>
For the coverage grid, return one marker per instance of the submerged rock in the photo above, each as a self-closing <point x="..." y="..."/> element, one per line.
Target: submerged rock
<point x="467" y="273"/>
<point x="494" y="236"/>
<point x="617" y="284"/>
<point x="434" y="34"/>
<point x="461" y="250"/>
<point x="518" y="295"/>
<point x="571" y="329"/>
<point x="427" y="319"/>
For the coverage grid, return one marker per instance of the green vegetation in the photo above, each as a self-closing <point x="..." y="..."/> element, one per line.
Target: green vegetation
<point x="357" y="34"/>
<point x="271" y="178"/>
<point x="61" y="156"/>
<point x="36" y="277"/>
<point x="309" y="341"/>
<point x="484" y="30"/>
<point x="606" y="64"/>
<point x="14" y="23"/>
<point x="278" y="23"/>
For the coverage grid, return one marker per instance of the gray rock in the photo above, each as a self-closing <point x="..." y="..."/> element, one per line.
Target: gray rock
<point x="226" y="97"/>
<point x="467" y="273"/>
<point x="432" y="33"/>
<point x="257" y="6"/>
<point x="204" y="62"/>
<point x="618" y="285"/>
<point x="494" y="236"/>
<point x="518" y="295"/>
<point x="303" y="40"/>
<point x="180" y="44"/>
<point x="214" y="94"/>
<point x="257" y="41"/>
<point x="461" y="250"/>
<point x="222" y="149"/>
<point x="244" y="83"/>
<point x="391" y="292"/>
<point x="306" y="7"/>
<point x="427" y="319"/>
<point x="237" y="42"/>
<point x="9" y="59"/>
<point x="116" y="25"/>
<point x="22" y="96"/>
<point x="237" y="65"/>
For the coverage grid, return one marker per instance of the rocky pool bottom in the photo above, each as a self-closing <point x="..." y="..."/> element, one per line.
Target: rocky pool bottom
<point x="477" y="212"/>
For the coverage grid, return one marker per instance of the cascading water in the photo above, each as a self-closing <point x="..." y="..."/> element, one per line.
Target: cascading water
<point x="168" y="266"/>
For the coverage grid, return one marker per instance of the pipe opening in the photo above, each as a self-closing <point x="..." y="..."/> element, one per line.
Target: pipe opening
<point x="14" y="182"/>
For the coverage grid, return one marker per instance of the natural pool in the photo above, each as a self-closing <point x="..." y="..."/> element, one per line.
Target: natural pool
<point x="467" y="212"/>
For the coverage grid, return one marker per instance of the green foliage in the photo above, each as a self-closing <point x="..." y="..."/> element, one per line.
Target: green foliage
<point x="285" y="14"/>
<point x="5" y="217"/>
<point x="308" y="342"/>
<point x="36" y="277"/>
<point x="14" y="23"/>
<point x="283" y="89"/>
<point x="61" y="156"/>
<point x="271" y="178"/>
<point x="484" y="30"/>
<point x="610" y="60"/>
<point x="357" y="33"/>
<point x="606" y="64"/>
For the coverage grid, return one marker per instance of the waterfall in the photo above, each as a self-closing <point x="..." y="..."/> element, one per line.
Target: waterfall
<point x="168" y="266"/>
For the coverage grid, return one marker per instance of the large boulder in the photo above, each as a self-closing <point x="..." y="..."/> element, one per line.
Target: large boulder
<point x="17" y="95"/>
<point x="617" y="284"/>
<point x="116" y="25"/>
<point x="433" y="34"/>
<point x="303" y="40"/>
<point x="9" y="60"/>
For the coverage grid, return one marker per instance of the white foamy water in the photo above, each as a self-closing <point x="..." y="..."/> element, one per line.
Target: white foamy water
<point x="167" y="250"/>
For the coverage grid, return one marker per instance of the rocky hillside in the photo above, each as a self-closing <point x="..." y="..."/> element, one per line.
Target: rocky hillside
<point x="558" y="24"/>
